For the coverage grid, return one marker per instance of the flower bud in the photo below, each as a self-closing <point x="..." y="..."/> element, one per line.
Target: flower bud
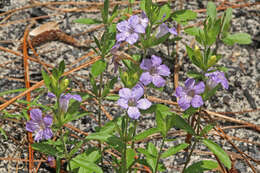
<point x="198" y="54"/>
<point x="212" y="60"/>
<point x="54" y="82"/>
<point x="64" y="84"/>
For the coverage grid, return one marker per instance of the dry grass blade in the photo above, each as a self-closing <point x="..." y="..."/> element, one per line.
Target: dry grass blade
<point x="28" y="94"/>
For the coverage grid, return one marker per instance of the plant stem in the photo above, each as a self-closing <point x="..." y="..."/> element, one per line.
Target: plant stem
<point x="99" y="111"/>
<point x="188" y="159"/>
<point x="197" y="125"/>
<point x="159" y="155"/>
<point x="124" y="164"/>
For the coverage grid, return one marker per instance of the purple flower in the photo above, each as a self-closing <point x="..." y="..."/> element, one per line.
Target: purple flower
<point x="153" y="70"/>
<point x="130" y="100"/>
<point x="65" y="99"/>
<point x="215" y="78"/>
<point x="51" y="161"/>
<point x="189" y="95"/>
<point x="40" y="125"/>
<point x="130" y="29"/>
<point x="163" y="29"/>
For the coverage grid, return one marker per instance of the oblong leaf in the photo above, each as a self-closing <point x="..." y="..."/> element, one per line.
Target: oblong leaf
<point x="145" y="134"/>
<point x="182" y="124"/>
<point x="98" y="67"/>
<point x="173" y="150"/>
<point x="88" y="165"/>
<point x="219" y="152"/>
<point x="201" y="166"/>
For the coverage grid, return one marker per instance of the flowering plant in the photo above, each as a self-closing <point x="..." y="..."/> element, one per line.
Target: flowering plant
<point x="137" y="74"/>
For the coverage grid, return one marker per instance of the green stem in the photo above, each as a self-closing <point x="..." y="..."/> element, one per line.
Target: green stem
<point x="124" y="164"/>
<point x="134" y="133"/>
<point x="188" y="159"/>
<point x="197" y="125"/>
<point x="159" y="155"/>
<point x="99" y="111"/>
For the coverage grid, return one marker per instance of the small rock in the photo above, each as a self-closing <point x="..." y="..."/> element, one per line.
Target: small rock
<point x="226" y="100"/>
<point x="250" y="99"/>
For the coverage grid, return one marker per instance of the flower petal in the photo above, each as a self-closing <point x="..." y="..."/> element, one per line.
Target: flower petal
<point x="31" y="126"/>
<point x="133" y="112"/>
<point x="163" y="70"/>
<point x="38" y="136"/>
<point x="199" y="88"/>
<point x="146" y="64"/>
<point x="76" y="97"/>
<point x="123" y="103"/>
<point x="122" y="26"/>
<point x="133" y="21"/>
<point x="146" y="78"/>
<point x="184" y="102"/>
<point x="156" y="60"/>
<point x="139" y="29"/>
<point x="137" y="91"/>
<point x="163" y="29"/>
<point x="36" y="115"/>
<point x="173" y="31"/>
<point x="132" y="38"/>
<point x="196" y="101"/>
<point x="47" y="133"/>
<point x="180" y="92"/>
<point x="51" y="95"/>
<point x="158" y="81"/>
<point x="125" y="93"/>
<point x="47" y="120"/>
<point x="143" y="104"/>
<point x="189" y="83"/>
<point x="121" y="36"/>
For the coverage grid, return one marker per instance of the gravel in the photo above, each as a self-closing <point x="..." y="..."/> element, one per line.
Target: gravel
<point x="243" y="76"/>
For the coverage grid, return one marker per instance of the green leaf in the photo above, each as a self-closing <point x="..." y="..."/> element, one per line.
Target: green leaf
<point x="105" y="11"/>
<point x="201" y="166"/>
<point x="192" y="31"/>
<point x="61" y="67"/>
<point x="213" y="33"/>
<point x="219" y="152"/>
<point x="211" y="10"/>
<point x="45" y="148"/>
<point x="179" y="122"/>
<point x="76" y="148"/>
<point x="240" y="38"/>
<point x="226" y="18"/>
<point x="112" y="97"/>
<point x="152" y="149"/>
<point x="195" y="75"/>
<point x="98" y="67"/>
<point x="94" y="85"/>
<point x="161" y="123"/>
<point x="206" y="129"/>
<point x="3" y="133"/>
<point x="145" y="134"/>
<point x="97" y="43"/>
<point x="93" y="156"/>
<point x="46" y="79"/>
<point x="130" y="157"/>
<point x="183" y="16"/>
<point x="164" y="10"/>
<point x="98" y="136"/>
<point x="109" y="86"/>
<point x="88" y="165"/>
<point x="88" y="21"/>
<point x="173" y="150"/>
